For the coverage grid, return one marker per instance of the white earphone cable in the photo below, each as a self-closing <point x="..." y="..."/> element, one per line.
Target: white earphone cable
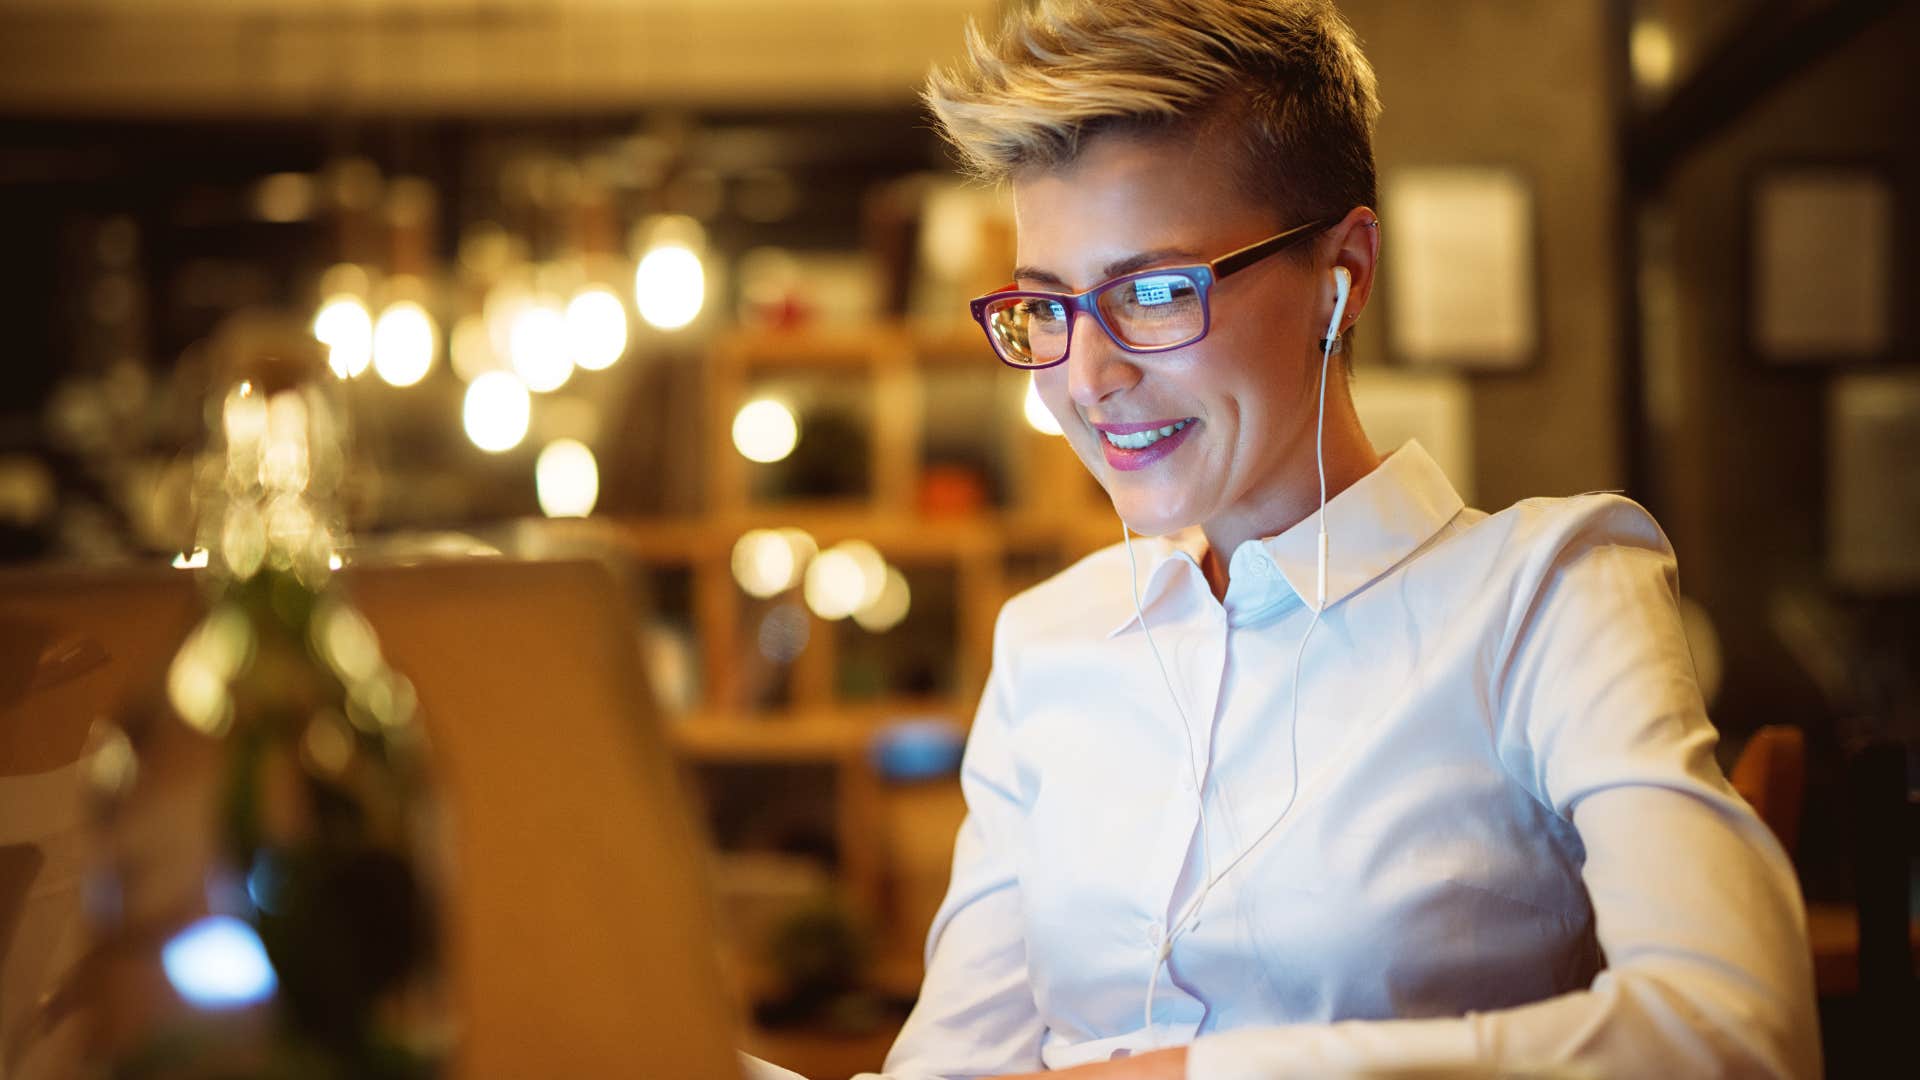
<point x="1189" y="917"/>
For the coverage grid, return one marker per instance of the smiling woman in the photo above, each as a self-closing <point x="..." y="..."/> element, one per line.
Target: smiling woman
<point x="1475" y="824"/>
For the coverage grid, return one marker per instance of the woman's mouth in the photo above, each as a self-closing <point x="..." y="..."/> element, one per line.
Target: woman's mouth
<point x="1136" y="446"/>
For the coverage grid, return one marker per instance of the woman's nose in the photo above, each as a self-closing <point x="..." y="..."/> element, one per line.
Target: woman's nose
<point x="1097" y="368"/>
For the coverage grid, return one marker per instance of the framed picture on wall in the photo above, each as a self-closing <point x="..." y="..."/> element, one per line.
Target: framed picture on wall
<point x="1873" y="490"/>
<point x="1462" y="286"/>
<point x="1821" y="267"/>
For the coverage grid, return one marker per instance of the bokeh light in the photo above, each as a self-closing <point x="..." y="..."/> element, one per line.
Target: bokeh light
<point x="198" y="676"/>
<point x="669" y="286"/>
<point x="845" y="578"/>
<point x="889" y="608"/>
<point x="497" y="411"/>
<point x="471" y="350"/>
<point x="834" y="585"/>
<point x="765" y="431"/>
<point x="567" y="479"/>
<point x="218" y="963"/>
<point x="767" y="562"/>
<point x="345" y="327"/>
<point x="1650" y="53"/>
<point x="403" y="342"/>
<point x="1039" y="417"/>
<point x="538" y="348"/>
<point x="784" y="632"/>
<point x="596" y="329"/>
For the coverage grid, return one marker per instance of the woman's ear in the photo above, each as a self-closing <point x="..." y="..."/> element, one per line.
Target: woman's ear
<point x="1355" y="248"/>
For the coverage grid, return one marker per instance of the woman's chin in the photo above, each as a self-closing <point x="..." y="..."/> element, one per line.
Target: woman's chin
<point x="1149" y="520"/>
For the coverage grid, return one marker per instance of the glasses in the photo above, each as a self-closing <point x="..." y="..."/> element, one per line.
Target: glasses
<point x="1148" y="311"/>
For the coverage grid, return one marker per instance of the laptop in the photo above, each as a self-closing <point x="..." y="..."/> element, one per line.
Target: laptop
<point x="580" y="921"/>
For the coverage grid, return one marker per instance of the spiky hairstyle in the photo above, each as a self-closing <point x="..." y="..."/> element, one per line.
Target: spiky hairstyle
<point x="1285" y="77"/>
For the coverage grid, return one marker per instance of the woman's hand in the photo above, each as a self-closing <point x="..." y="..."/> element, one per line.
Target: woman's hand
<point x="1158" y="1065"/>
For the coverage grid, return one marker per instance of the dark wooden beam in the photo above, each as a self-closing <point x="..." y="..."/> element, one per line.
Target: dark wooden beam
<point x="1778" y="41"/>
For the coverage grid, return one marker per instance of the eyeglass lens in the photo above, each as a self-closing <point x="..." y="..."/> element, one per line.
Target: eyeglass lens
<point x="1155" y="311"/>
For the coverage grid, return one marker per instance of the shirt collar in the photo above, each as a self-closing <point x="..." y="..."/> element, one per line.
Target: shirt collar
<point x="1372" y="526"/>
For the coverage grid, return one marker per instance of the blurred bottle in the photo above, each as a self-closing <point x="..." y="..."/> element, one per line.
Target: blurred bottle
<point x="265" y="896"/>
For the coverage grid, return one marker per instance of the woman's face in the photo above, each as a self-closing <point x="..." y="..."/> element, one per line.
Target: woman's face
<point x="1244" y="393"/>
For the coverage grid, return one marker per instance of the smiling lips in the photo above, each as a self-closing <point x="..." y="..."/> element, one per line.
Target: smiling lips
<point x="1136" y="446"/>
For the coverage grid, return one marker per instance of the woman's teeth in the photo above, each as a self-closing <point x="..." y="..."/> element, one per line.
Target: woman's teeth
<point x="1140" y="440"/>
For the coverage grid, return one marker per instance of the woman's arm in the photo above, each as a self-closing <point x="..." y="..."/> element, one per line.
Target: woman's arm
<point x="976" y="1015"/>
<point x="1696" y="906"/>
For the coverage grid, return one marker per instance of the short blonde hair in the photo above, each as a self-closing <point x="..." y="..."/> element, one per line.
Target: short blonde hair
<point x="1286" y="76"/>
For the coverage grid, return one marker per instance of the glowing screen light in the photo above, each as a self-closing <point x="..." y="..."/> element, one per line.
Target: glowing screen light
<point x="538" y="348"/>
<point x="345" y="327"/>
<point x="1039" y="417"/>
<point x="765" y="431"/>
<point x="669" y="286"/>
<point x="497" y="412"/>
<point x="219" y="963"/>
<point x="596" y="329"/>
<point x="403" y="343"/>
<point x="567" y="479"/>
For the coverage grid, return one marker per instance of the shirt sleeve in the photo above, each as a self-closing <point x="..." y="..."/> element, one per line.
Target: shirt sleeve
<point x="976" y="1015"/>
<point x="1695" y="904"/>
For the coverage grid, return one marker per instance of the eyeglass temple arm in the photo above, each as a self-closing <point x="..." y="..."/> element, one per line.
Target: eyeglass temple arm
<point x="1235" y="261"/>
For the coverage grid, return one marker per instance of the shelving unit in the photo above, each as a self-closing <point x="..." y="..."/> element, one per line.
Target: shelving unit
<point x="1052" y="513"/>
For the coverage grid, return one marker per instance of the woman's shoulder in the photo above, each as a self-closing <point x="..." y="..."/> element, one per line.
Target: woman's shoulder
<point x="1534" y="544"/>
<point x="1546" y="530"/>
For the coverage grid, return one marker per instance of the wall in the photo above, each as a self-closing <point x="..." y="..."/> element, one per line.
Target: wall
<point x="1741" y="447"/>
<point x="141" y="57"/>
<point x="1524" y="85"/>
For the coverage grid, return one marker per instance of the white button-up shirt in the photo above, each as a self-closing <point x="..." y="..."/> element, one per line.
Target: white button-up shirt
<point x="1511" y="848"/>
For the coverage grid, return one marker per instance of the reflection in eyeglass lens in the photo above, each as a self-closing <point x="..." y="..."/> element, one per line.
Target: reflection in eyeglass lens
<point x="1029" y="330"/>
<point x="1157" y="311"/>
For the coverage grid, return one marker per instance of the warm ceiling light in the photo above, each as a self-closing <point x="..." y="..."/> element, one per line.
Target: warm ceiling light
<point x="403" y="340"/>
<point x="596" y="329"/>
<point x="567" y="479"/>
<point x="345" y="327"/>
<point x="539" y="347"/>
<point x="471" y="349"/>
<point x="496" y="412"/>
<point x="669" y="286"/>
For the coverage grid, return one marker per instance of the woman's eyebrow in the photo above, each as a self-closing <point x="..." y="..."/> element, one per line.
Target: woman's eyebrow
<point x="1118" y="267"/>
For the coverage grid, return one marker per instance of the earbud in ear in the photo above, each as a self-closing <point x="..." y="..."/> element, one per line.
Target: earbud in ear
<point x="1342" y="284"/>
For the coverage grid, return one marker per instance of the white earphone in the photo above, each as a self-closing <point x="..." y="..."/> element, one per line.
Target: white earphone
<point x="1189" y="916"/>
<point x="1342" y="284"/>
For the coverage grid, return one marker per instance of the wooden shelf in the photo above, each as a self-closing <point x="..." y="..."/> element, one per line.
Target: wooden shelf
<point x="833" y="733"/>
<point x="691" y="539"/>
<point x="1054" y="517"/>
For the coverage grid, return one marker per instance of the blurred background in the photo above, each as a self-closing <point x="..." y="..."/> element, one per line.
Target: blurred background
<point x="679" y="285"/>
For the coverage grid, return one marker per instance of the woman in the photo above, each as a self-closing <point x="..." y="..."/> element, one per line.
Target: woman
<point x="1333" y="775"/>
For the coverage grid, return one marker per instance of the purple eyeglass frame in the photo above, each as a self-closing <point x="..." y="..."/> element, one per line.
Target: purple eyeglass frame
<point x="1204" y="276"/>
